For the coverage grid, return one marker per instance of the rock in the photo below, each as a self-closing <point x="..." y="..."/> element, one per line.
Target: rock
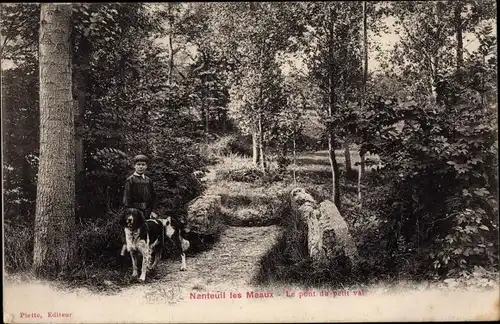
<point x="204" y="215"/>
<point x="331" y="220"/>
<point x="327" y="232"/>
<point x="250" y="217"/>
<point x="248" y="214"/>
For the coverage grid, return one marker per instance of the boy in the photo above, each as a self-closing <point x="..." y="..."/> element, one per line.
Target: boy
<point x="139" y="191"/>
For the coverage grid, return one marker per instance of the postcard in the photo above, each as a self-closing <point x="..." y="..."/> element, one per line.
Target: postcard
<point x="180" y="162"/>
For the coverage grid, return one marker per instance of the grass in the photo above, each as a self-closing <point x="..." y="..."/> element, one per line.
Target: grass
<point x="288" y="261"/>
<point x="18" y="246"/>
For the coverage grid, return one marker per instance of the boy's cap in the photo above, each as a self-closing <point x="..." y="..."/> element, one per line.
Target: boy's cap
<point x="140" y="158"/>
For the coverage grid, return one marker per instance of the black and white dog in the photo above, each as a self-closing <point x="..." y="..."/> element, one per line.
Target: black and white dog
<point x="147" y="237"/>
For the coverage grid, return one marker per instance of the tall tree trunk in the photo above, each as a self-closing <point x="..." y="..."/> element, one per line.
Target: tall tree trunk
<point x="207" y="91"/>
<point x="261" y="146"/>
<point x="335" y="170"/>
<point x="434" y="76"/>
<point x="224" y="120"/>
<point x="170" y="45"/>
<point x="361" y="172"/>
<point x="435" y="56"/>
<point x="331" y="110"/>
<point x="347" y="154"/>
<point x="458" y="34"/>
<point x="207" y="120"/>
<point x="261" y="130"/>
<point x="361" y="168"/>
<point x="170" y="59"/>
<point x="55" y="203"/>
<point x="255" y="149"/>
<point x="483" y="88"/>
<point x="294" y="160"/>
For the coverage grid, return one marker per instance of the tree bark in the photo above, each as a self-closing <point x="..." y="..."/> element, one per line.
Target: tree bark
<point x="435" y="58"/>
<point x="55" y="205"/>
<point x="335" y="169"/>
<point x="331" y="109"/>
<point x="207" y="118"/>
<point x="224" y="120"/>
<point x="458" y="34"/>
<point x="434" y="76"/>
<point x="170" y="45"/>
<point x="255" y="148"/>
<point x="261" y="145"/>
<point x="294" y="160"/>
<point x="361" y="173"/>
<point x="261" y="130"/>
<point x="347" y="153"/>
<point x="361" y="168"/>
<point x="81" y="61"/>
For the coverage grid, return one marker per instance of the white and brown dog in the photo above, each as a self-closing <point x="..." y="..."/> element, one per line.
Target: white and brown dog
<point x="147" y="237"/>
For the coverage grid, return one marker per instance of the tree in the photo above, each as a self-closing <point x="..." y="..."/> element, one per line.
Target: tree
<point x="291" y="119"/>
<point x="466" y="16"/>
<point x="253" y="34"/>
<point x="372" y="21"/>
<point x="422" y="50"/>
<point x="333" y="58"/>
<point x="55" y="210"/>
<point x="433" y="46"/>
<point x="362" y="152"/>
<point x="19" y="31"/>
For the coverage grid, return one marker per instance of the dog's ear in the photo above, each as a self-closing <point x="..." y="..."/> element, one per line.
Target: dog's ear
<point x="123" y="218"/>
<point x="140" y="218"/>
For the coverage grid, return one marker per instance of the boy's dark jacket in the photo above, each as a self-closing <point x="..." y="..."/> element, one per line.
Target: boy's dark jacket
<point x="139" y="192"/>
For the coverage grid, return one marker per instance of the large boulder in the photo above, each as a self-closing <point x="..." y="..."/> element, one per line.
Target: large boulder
<point x="328" y="236"/>
<point x="204" y="215"/>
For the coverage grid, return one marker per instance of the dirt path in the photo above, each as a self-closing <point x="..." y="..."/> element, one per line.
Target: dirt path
<point x="232" y="262"/>
<point x="228" y="267"/>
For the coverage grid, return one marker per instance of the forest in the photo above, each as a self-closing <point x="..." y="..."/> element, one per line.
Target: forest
<point x="397" y="98"/>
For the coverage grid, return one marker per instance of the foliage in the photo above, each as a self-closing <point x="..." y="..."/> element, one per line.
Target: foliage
<point x="227" y="145"/>
<point x="257" y="34"/>
<point x="19" y="31"/>
<point x="436" y="135"/>
<point x="121" y="110"/>
<point x="440" y="163"/>
<point x="20" y="117"/>
<point x="426" y="51"/>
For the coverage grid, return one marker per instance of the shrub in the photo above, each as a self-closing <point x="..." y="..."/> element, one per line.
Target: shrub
<point x="18" y="246"/>
<point x="227" y="145"/>
<point x="100" y="242"/>
<point x="241" y="175"/>
<point x="441" y="175"/>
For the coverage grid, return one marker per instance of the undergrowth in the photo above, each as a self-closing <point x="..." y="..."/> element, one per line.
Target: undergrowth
<point x="98" y="263"/>
<point x="288" y="261"/>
